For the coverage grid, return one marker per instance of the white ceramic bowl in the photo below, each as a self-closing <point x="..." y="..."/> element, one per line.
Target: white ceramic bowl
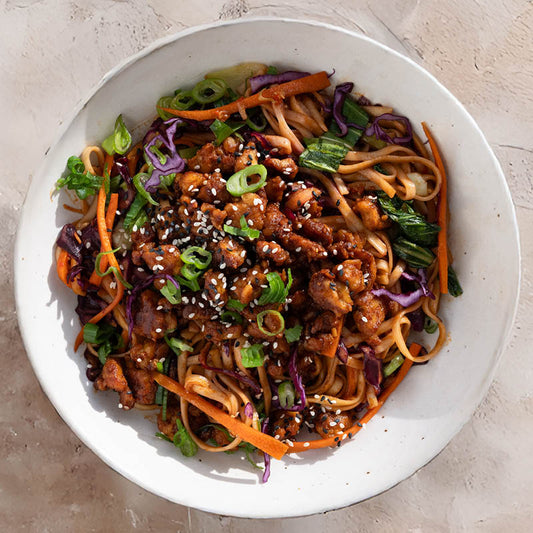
<point x="432" y="403"/>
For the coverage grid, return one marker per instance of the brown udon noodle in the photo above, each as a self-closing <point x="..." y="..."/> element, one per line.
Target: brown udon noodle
<point x="335" y="385"/>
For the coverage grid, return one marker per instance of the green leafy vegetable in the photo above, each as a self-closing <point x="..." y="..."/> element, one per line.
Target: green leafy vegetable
<point x="120" y="140"/>
<point x="293" y="334"/>
<point x="454" y="287"/>
<point x="182" y="440"/>
<point x="412" y="224"/>
<point x="327" y="152"/>
<point x="272" y="70"/>
<point x="415" y="256"/>
<point x="244" y="231"/>
<point x="83" y="183"/>
<point x="252" y="356"/>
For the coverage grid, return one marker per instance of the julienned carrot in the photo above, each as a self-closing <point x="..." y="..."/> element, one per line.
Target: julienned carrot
<point x="349" y="433"/>
<point x="95" y="279"/>
<point x="132" y="157"/>
<point x="62" y="265"/>
<point x="331" y="350"/>
<point x="442" y="215"/>
<point x="96" y="318"/>
<point x="307" y="84"/>
<point x="260" y="440"/>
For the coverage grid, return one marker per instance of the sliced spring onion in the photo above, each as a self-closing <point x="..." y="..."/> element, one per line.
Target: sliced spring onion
<point x="454" y="287"/>
<point x="171" y="293"/>
<point x="164" y="102"/>
<point x="253" y="123"/>
<point x="164" y="403"/>
<point x="190" y="272"/>
<point x="177" y="345"/>
<point x="293" y="334"/>
<point x="237" y="185"/>
<point x="191" y="284"/>
<point x="430" y="326"/>
<point x="182" y="100"/>
<point x="231" y="316"/>
<point x="209" y="91"/>
<point x="188" y="153"/>
<point x="252" y="356"/>
<point x="83" y="183"/>
<point x="261" y="318"/>
<point x="245" y="230"/>
<point x="415" y="255"/>
<point x="110" y="269"/>
<point x="92" y="333"/>
<point x="120" y="140"/>
<point x="235" y="304"/>
<point x="138" y="181"/>
<point x="286" y="394"/>
<point x="135" y="210"/>
<point x="276" y="292"/>
<point x="393" y="365"/>
<point x="223" y="130"/>
<point x="199" y="257"/>
<point x="163" y="368"/>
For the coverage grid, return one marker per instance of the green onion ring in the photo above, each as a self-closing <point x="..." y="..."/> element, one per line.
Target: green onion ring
<point x="237" y="185"/>
<point x="261" y="317"/>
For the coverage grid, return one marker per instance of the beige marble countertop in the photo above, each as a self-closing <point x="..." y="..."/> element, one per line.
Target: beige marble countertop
<point x="53" y="52"/>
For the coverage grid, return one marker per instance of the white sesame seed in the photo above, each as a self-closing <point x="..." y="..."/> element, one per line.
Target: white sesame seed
<point x="158" y="330"/>
<point x="120" y="406"/>
<point x="364" y="319"/>
<point x="306" y="444"/>
<point x="265" y="247"/>
<point x="299" y="249"/>
<point x="139" y="360"/>
<point x="191" y="315"/>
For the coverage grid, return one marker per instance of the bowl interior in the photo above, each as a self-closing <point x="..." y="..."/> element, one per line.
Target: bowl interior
<point x="429" y="407"/>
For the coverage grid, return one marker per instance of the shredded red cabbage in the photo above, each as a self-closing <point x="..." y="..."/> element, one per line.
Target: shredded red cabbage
<point x="372" y="367"/>
<point x="417" y="318"/>
<point x="173" y="162"/>
<point x="377" y="130"/>
<point x="69" y="243"/>
<point x="266" y="473"/>
<point x="89" y="305"/>
<point x="249" y="382"/>
<point x="298" y="384"/>
<point x="409" y="298"/>
<point x="125" y="196"/>
<point x="342" y="352"/>
<point x="258" y="82"/>
<point x="249" y="410"/>
<point x="260" y="138"/>
<point x="341" y="92"/>
<point x="363" y="100"/>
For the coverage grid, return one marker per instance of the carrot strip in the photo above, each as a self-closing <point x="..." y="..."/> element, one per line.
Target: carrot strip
<point x="111" y="211"/>
<point x="307" y="84"/>
<point x="63" y="262"/>
<point x="442" y="214"/>
<point x="331" y="350"/>
<point x="333" y="441"/>
<point x="260" y="440"/>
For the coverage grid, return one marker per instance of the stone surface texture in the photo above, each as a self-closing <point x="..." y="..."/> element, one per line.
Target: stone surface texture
<point x="53" y="51"/>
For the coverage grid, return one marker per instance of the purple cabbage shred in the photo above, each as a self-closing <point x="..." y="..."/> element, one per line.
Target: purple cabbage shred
<point x="372" y="367"/>
<point x="69" y="243"/>
<point x="377" y="130"/>
<point x="409" y="298"/>
<point x="341" y="92"/>
<point x="258" y="82"/>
